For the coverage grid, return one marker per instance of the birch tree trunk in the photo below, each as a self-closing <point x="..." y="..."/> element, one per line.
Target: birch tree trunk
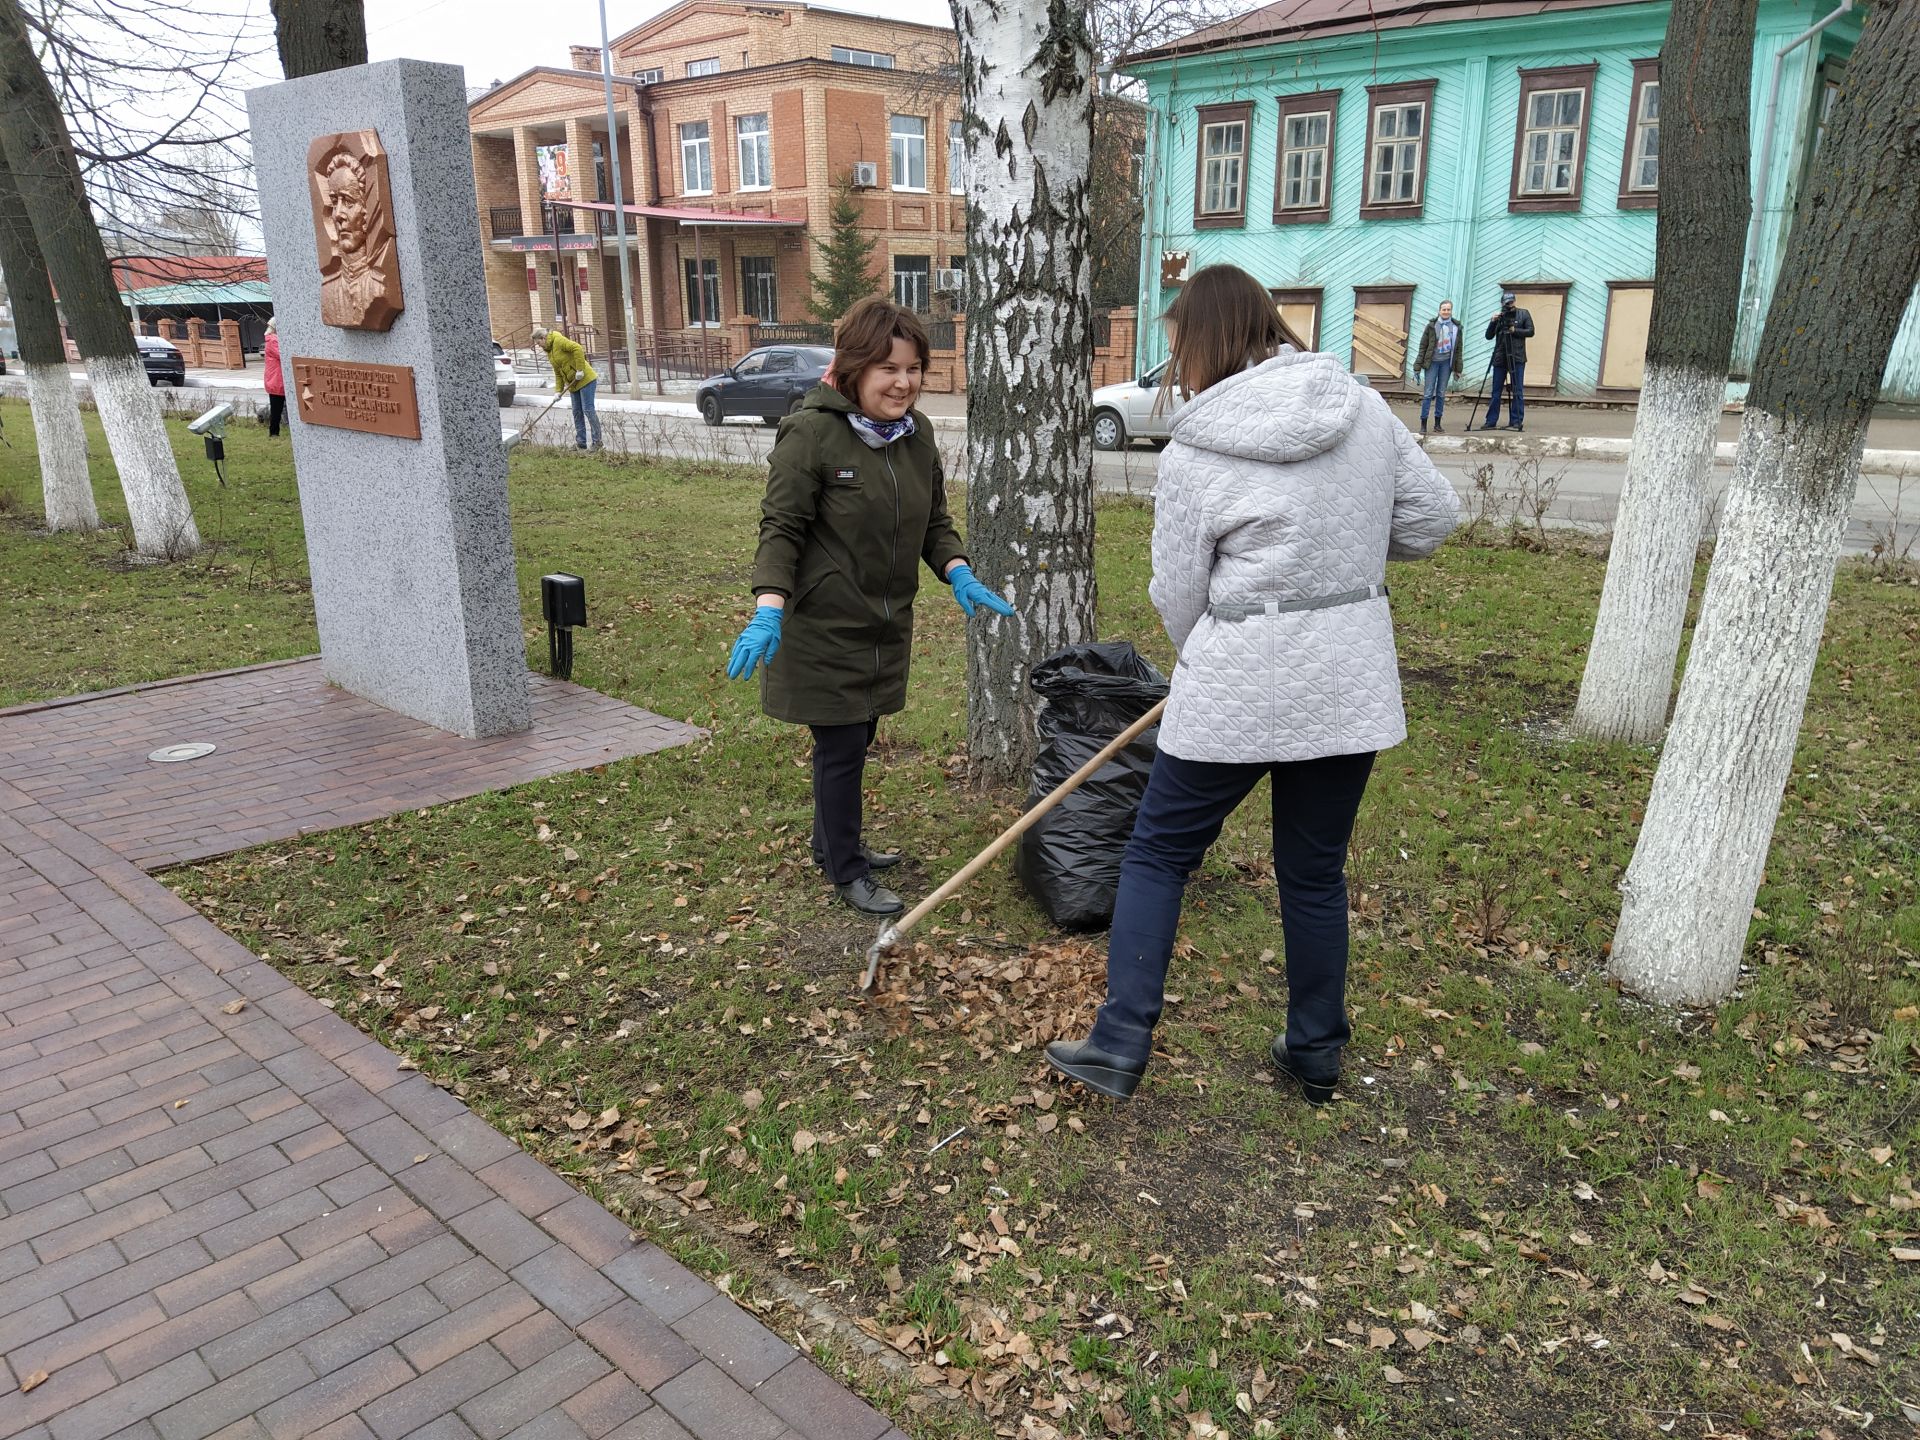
<point x="317" y="35"/>
<point x="1848" y="276"/>
<point x="65" y="487"/>
<point x="1706" y="70"/>
<point x="1026" y="76"/>
<point x="38" y="150"/>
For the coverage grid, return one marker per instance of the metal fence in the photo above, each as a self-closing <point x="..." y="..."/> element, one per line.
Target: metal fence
<point x="1102" y="329"/>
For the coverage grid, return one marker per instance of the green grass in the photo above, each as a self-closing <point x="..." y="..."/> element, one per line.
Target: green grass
<point x="1604" y="1215"/>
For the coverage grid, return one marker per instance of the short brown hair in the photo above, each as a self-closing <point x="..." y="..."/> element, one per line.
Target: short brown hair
<point x="1223" y="321"/>
<point x="866" y="337"/>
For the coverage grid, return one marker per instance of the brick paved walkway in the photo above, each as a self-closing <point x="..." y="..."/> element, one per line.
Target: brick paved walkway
<point x="226" y="1211"/>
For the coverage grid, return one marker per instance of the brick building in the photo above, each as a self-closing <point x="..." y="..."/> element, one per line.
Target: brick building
<point x="734" y="123"/>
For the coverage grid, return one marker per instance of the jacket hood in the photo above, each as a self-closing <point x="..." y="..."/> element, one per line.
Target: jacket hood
<point x="1290" y="408"/>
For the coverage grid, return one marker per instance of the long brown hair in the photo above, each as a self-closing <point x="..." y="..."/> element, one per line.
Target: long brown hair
<point x="866" y="337"/>
<point x="1223" y="320"/>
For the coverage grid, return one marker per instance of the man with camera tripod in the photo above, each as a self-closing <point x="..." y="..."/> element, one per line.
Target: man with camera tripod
<point x="1509" y="331"/>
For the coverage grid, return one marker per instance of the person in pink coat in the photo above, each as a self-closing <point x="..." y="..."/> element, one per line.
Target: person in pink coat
<point x="276" y="381"/>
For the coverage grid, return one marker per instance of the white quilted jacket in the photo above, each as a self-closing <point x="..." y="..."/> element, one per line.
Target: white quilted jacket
<point x="1288" y="481"/>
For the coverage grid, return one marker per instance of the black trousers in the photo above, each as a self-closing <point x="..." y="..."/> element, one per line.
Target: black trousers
<point x="276" y="407"/>
<point x="839" y="766"/>
<point x="1187" y="803"/>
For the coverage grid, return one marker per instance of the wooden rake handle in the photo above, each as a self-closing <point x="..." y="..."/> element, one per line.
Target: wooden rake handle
<point x="899" y="929"/>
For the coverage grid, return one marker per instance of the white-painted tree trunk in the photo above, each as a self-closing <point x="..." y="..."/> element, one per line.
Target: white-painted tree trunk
<point x="1706" y="75"/>
<point x="1026" y="74"/>
<point x="1847" y="278"/>
<point x="1690" y="888"/>
<point x="1643" y="605"/>
<point x="66" y="490"/>
<point x="149" y="476"/>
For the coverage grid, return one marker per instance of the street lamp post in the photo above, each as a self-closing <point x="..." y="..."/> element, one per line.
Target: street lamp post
<point x="619" y="215"/>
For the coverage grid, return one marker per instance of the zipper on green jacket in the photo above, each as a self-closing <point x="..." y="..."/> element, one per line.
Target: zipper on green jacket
<point x="893" y="563"/>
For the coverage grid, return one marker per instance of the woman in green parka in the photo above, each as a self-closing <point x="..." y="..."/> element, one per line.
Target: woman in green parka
<point x="856" y="499"/>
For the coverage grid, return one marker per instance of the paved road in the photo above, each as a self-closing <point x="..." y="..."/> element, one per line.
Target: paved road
<point x="1587" y="494"/>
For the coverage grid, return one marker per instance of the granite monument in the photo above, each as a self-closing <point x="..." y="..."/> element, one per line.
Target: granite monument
<point x="366" y="196"/>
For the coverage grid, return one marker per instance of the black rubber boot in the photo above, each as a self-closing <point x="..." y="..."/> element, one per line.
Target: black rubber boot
<point x="1317" y="1088"/>
<point x="1099" y="1070"/>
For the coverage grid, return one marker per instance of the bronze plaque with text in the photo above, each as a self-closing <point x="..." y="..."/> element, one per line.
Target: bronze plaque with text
<point x="348" y="395"/>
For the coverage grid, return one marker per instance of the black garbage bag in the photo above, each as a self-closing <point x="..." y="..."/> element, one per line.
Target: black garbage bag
<point x="1070" y="860"/>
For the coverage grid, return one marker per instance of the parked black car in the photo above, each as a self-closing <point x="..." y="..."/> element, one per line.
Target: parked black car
<point x="766" y="384"/>
<point x="163" y="362"/>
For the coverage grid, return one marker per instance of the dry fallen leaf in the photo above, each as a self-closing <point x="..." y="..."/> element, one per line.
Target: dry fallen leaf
<point x="178" y="1103"/>
<point x="419" y="1159"/>
<point x="1906" y="1253"/>
<point x="1692" y="1296"/>
<point x="33" y="1381"/>
<point x="803" y="1141"/>
<point x="233" y="1007"/>
<point x="579" y="1120"/>
<point x="1380" y="1338"/>
<point x="1393" y="1376"/>
<point x="1419" y="1339"/>
<point x="752" y="1099"/>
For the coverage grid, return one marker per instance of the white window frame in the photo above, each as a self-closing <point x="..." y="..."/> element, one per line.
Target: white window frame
<point x="1549" y="136"/>
<point x="759" y="145"/>
<point x="956" y="157"/>
<point x="903" y="148"/>
<point x="1223" y="171"/>
<point x="708" y="66"/>
<point x="1642" y="128"/>
<point x="1398" y="143"/>
<point x="1289" y="152"/>
<point x="853" y="55"/>
<point x="696" y="157"/>
<point x="709" y="272"/>
<point x="653" y="75"/>
<point x="922" y="283"/>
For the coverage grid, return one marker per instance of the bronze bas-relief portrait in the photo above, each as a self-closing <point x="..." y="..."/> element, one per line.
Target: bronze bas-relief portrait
<point x="353" y="231"/>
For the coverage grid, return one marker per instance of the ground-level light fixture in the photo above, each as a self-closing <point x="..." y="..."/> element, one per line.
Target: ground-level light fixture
<point x="563" y="600"/>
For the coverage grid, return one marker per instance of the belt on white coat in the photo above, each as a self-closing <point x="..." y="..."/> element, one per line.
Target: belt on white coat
<point x="1237" y="613"/>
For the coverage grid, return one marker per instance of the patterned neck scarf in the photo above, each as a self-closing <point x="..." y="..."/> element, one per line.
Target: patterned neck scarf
<point x="878" y="434"/>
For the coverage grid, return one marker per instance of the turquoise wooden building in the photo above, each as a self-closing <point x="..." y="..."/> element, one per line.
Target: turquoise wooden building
<point x="1368" y="160"/>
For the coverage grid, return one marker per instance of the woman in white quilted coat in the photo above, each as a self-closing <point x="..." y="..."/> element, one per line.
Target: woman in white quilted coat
<point x="1287" y="488"/>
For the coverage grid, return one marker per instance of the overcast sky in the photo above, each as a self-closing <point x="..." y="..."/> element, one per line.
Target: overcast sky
<point x="492" y="39"/>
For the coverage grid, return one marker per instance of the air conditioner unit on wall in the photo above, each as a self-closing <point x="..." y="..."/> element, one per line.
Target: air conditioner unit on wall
<point x="949" y="282"/>
<point x="866" y="174"/>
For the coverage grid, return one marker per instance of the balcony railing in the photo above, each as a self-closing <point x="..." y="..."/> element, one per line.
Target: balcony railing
<point x="503" y="222"/>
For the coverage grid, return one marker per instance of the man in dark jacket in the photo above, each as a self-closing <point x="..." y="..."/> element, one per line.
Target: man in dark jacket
<point x="1437" y="364"/>
<point x="1509" y="331"/>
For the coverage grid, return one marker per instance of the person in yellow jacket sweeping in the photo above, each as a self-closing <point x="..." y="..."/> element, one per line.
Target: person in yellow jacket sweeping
<point x="573" y="376"/>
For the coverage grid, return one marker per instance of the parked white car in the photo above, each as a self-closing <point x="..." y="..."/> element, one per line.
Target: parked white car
<point x="1126" y="412"/>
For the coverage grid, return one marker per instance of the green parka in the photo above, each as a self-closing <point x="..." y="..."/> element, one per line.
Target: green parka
<point x="843" y="528"/>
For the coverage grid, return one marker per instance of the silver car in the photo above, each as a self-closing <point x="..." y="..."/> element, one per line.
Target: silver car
<point x="1130" y="411"/>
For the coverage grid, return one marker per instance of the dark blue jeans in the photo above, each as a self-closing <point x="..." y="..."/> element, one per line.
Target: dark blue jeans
<point x="1434" y="391"/>
<point x="1517" y="401"/>
<point x="1187" y="801"/>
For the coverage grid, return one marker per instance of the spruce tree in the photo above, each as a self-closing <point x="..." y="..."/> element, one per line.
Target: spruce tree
<point x="844" y="278"/>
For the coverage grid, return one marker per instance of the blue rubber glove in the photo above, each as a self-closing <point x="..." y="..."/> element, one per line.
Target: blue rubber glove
<point x="968" y="592"/>
<point x="758" y="643"/>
